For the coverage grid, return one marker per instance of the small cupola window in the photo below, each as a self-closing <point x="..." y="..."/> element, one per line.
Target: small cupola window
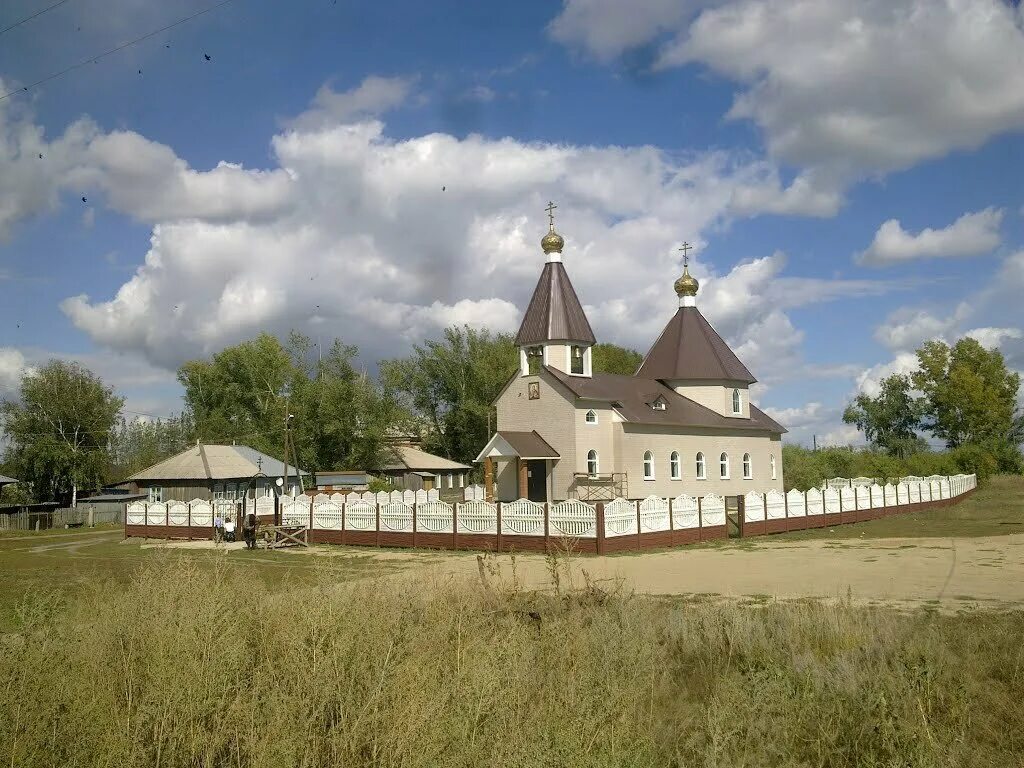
<point x="660" y="404"/>
<point x="591" y="417"/>
<point x="576" y="359"/>
<point x="534" y="359"/>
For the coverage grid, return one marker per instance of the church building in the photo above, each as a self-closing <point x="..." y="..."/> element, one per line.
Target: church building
<point x="683" y="423"/>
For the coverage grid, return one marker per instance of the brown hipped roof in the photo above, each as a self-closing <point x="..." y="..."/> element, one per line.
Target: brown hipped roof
<point x="631" y="397"/>
<point x="555" y="313"/>
<point x="690" y="349"/>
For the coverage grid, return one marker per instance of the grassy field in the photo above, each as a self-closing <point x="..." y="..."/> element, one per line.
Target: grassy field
<point x="995" y="509"/>
<point x="197" y="665"/>
<point x="66" y="561"/>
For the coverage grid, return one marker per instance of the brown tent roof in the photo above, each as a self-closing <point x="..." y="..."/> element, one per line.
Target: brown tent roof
<point x="555" y="313"/>
<point x="631" y="396"/>
<point x="529" y="445"/>
<point x="689" y="348"/>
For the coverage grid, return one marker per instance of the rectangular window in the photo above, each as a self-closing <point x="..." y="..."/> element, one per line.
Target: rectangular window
<point x="576" y="359"/>
<point x="534" y="359"/>
<point x="451" y="480"/>
<point x="462" y="479"/>
<point x="156" y="493"/>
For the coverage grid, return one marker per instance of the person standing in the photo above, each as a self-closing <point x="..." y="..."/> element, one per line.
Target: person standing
<point x="249" y="530"/>
<point x="218" y="526"/>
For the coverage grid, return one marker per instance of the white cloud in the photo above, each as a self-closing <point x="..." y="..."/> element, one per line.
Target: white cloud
<point x="381" y="241"/>
<point x="870" y="380"/>
<point x="372" y="97"/>
<point x="13" y="367"/>
<point x="907" y="328"/>
<point x="994" y="338"/>
<point x="970" y="235"/>
<point x="607" y="28"/>
<point x="849" y="88"/>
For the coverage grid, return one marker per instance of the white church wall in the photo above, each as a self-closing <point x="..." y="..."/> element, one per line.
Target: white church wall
<point x="636" y="439"/>
<point x="716" y="395"/>
<point x="598" y="437"/>
<point x="552" y="415"/>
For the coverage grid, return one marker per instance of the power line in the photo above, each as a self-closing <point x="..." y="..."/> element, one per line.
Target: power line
<point x="29" y="18"/>
<point x="121" y="47"/>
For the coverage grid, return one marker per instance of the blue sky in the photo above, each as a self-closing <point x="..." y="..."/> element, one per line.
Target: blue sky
<point x="849" y="171"/>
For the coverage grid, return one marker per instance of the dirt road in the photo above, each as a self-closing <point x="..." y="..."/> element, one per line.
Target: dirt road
<point x="986" y="572"/>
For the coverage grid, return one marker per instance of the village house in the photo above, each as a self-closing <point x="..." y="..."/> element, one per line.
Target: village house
<point x="683" y="423"/>
<point x="410" y="468"/>
<point x="213" y="472"/>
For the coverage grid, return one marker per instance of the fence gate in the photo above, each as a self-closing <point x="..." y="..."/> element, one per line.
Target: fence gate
<point x="733" y="517"/>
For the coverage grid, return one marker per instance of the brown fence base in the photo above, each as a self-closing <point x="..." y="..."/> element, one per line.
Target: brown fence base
<point x="490" y="542"/>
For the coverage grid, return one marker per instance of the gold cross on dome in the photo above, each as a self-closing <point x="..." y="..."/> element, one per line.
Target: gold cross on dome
<point x="551" y="215"/>
<point x="686" y="258"/>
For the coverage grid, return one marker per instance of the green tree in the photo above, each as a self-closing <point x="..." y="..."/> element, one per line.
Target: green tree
<point x="611" y="358"/>
<point x="137" y="444"/>
<point x="340" y="416"/>
<point x="968" y="395"/>
<point x="451" y="384"/>
<point x="889" y="420"/>
<point x="59" y="430"/>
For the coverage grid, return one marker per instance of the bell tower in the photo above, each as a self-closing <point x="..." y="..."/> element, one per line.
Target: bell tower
<point x="555" y="330"/>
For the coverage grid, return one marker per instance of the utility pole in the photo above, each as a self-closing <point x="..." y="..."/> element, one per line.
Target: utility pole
<point x="815" y="438"/>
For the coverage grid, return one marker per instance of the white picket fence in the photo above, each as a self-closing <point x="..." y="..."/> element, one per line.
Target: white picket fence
<point x="423" y="512"/>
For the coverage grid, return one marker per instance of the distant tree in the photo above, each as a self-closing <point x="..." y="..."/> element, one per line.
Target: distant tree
<point x="969" y="396"/>
<point x="611" y="358"/>
<point x="451" y="384"/>
<point x="341" y="417"/>
<point x="889" y="420"/>
<point x="137" y="444"/>
<point x="59" y="430"/>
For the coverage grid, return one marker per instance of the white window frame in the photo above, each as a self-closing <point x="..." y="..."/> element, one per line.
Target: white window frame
<point x="675" y="471"/>
<point x="702" y="465"/>
<point x="156" y="494"/>
<point x="737" y="402"/>
<point x="462" y="479"/>
<point x="723" y="466"/>
<point x="771" y="461"/>
<point x="596" y="469"/>
<point x="748" y="467"/>
<point x="586" y="417"/>
<point x="648" y="465"/>
<point x="451" y="480"/>
<point x="583" y="359"/>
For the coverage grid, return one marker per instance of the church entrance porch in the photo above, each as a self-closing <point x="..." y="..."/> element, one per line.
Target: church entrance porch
<point x="517" y="465"/>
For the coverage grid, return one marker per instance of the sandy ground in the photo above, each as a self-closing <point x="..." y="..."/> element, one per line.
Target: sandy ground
<point x="985" y="572"/>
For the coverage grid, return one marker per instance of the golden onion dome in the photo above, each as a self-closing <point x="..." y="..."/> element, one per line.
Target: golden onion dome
<point x="552" y="242"/>
<point x="686" y="285"/>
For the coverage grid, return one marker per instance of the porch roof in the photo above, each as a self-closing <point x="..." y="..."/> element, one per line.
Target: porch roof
<point x="522" y="445"/>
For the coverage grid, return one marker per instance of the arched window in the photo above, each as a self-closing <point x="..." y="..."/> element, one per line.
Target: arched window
<point x="592" y="465"/>
<point x="723" y="466"/>
<point x="748" y="472"/>
<point x="591" y="417"/>
<point x="702" y="472"/>
<point x="673" y="465"/>
<point x="771" y="461"/>
<point x="648" y="465"/>
<point x="737" y="406"/>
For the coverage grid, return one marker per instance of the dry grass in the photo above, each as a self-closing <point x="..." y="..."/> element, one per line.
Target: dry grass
<point x="193" y="667"/>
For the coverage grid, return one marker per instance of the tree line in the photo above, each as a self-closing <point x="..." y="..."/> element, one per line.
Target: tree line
<point x="66" y="430"/>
